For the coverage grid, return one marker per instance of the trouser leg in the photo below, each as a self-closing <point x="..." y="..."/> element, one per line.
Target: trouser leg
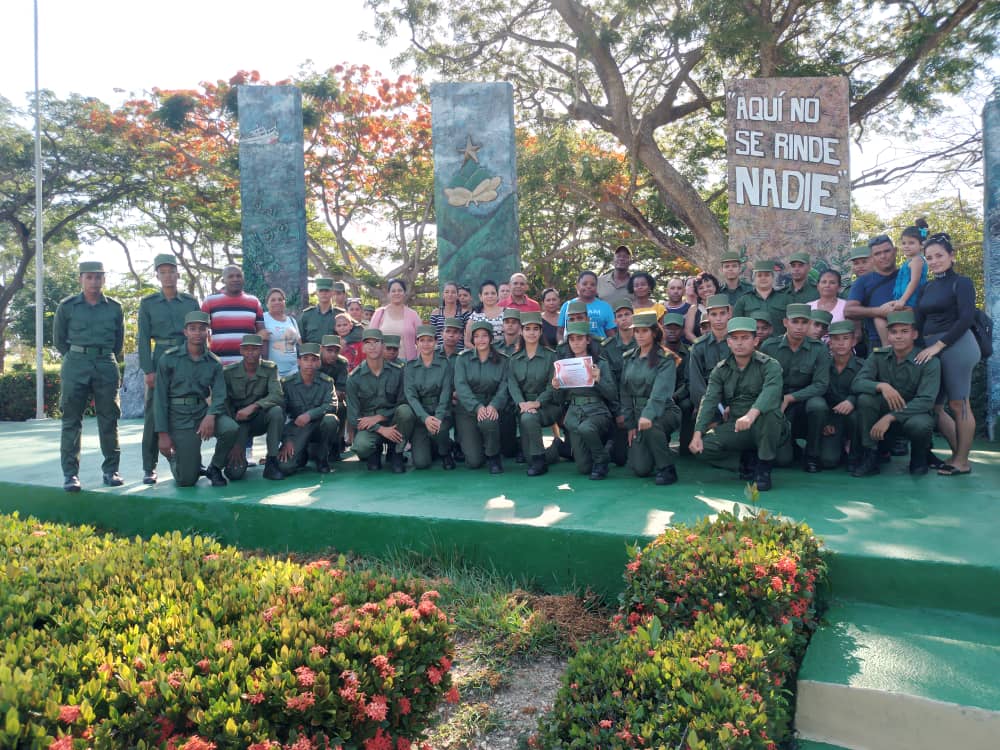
<point x="108" y="410"/>
<point x="870" y="408"/>
<point x="508" y="433"/>
<point x="619" y="444"/>
<point x="587" y="433"/>
<point x="469" y="438"/>
<point x="186" y="466"/>
<point x="75" y="379"/>
<point x="225" y="438"/>
<point x="442" y="441"/>
<point x="405" y="420"/>
<point x="531" y="434"/>
<point x="420" y="447"/>
<point x="366" y="442"/>
<point x="768" y="431"/>
<point x="150" y="439"/>
<point x="687" y="426"/>
<point x="919" y="430"/>
<point x="817" y="413"/>
<point x="326" y="436"/>
<point x="299" y="437"/>
<point x="723" y="440"/>
<point x="795" y="415"/>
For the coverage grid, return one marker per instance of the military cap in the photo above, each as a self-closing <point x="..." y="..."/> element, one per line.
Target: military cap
<point x="717" y="300"/>
<point x="339" y="286"/>
<point x="741" y="324"/>
<point x="390" y="340"/>
<point x="197" y="316"/>
<point x="371" y="333"/>
<point x="164" y="259"/>
<point x="762" y="315"/>
<point x="861" y="252"/>
<point x="642" y="320"/>
<point x="454" y="323"/>
<point x="671" y="319"/>
<point x="799" y="258"/>
<point x="821" y="316"/>
<point x="481" y="325"/>
<point x="531" y="318"/>
<point x="324" y="284"/>
<point x="623" y="304"/>
<point x="91" y="266"/>
<point x="511" y="313"/>
<point x="332" y="339"/>
<point x="841" y="326"/>
<point x="307" y="349"/>
<point x="904" y="317"/>
<point x="425" y="330"/>
<point x="798" y="310"/>
<point x="251" y="339"/>
<point x="576" y="307"/>
<point x="763" y="266"/>
<point x="369" y="308"/>
<point x="579" y="327"/>
<point x="731" y="256"/>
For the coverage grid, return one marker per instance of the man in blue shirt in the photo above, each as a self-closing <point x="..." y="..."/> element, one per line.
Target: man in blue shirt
<point x="599" y="312"/>
<point x="871" y="293"/>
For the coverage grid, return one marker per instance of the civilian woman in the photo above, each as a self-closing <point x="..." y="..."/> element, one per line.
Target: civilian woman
<point x="450" y="308"/>
<point x="706" y="285"/>
<point x="489" y="310"/>
<point x="550" y="317"/>
<point x="281" y="332"/>
<point x="641" y="287"/>
<point x="399" y="319"/>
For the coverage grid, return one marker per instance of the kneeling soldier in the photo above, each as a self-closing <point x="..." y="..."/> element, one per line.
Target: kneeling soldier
<point x="427" y="383"/>
<point x="895" y="392"/>
<point x="254" y="399"/>
<point x="186" y="378"/>
<point x="311" y="405"/>
<point x="842" y="423"/>
<point x="748" y="383"/>
<point x="335" y="364"/>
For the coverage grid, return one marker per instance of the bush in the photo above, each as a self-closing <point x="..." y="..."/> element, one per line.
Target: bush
<point x="178" y="642"/>
<point x="17" y="395"/>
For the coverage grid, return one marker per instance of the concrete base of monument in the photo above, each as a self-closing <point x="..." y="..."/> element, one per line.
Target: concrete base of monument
<point x="913" y="565"/>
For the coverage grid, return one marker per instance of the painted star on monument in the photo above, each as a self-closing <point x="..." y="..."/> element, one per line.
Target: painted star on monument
<point x="469" y="152"/>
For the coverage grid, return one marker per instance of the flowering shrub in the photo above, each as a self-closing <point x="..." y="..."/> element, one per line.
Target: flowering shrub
<point x="180" y="643"/>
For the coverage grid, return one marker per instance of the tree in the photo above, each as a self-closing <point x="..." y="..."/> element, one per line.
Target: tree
<point x="651" y="74"/>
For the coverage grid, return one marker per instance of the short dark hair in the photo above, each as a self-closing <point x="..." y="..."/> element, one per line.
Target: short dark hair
<point x="879" y="239"/>
<point x="641" y="274"/>
<point x="394" y="280"/>
<point x="585" y="273"/>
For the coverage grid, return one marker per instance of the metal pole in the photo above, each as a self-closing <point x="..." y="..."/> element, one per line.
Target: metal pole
<point x="39" y="246"/>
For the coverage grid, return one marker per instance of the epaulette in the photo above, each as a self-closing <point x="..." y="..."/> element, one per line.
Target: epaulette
<point x="608" y="339"/>
<point x="703" y="337"/>
<point x="549" y="349"/>
<point x="232" y="365"/>
<point x="629" y="353"/>
<point x="323" y="376"/>
<point x="502" y="354"/>
<point x="881" y="349"/>
<point x="465" y="352"/>
<point x="397" y="364"/>
<point x="290" y="378"/>
<point x="307" y="309"/>
<point x="762" y="357"/>
<point x="211" y="355"/>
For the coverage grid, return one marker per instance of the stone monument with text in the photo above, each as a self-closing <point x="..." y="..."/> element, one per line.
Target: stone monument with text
<point x="991" y="251"/>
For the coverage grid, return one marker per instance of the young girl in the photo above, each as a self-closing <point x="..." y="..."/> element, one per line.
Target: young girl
<point x="912" y="276"/>
<point x="343" y="324"/>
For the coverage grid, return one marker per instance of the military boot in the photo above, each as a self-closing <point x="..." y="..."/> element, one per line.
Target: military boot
<point x="763" y="475"/>
<point x="538" y="466"/>
<point x="869" y="465"/>
<point x="271" y="468"/>
<point x="748" y="465"/>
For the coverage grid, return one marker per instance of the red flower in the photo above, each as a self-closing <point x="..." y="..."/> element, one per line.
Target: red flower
<point x="777" y="584"/>
<point x="377" y="708"/>
<point x="63" y="743"/>
<point x="69" y="714"/>
<point x="306" y="677"/>
<point x="175" y="679"/>
<point x="434" y="675"/>
<point x="445" y="663"/>
<point x="139" y="664"/>
<point x="741" y="651"/>
<point x="605" y="723"/>
<point x="318" y="651"/>
<point x="296" y="590"/>
<point x="301" y="702"/>
<point x="379" y="742"/>
<point x="197" y="743"/>
<point x="226" y="645"/>
<point x="213" y="556"/>
<point x="381" y="663"/>
<point x="404" y="706"/>
<point x="255" y="698"/>
<point x="759" y="571"/>
<point x="452" y="696"/>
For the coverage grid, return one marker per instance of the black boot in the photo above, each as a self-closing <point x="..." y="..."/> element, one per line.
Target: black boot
<point x="869" y="464"/>
<point x="933" y="462"/>
<point x="812" y="465"/>
<point x="519" y="458"/>
<point x="599" y="471"/>
<point x="538" y="466"/>
<point x="763" y="475"/>
<point x="396" y="462"/>
<point x="149" y="476"/>
<point x="899" y="447"/>
<point x="375" y="460"/>
<point x="666" y="475"/>
<point x="457" y="453"/>
<point x="853" y="461"/>
<point x="214" y="474"/>
<point x="113" y="479"/>
<point x="918" y="465"/>
<point x="447" y="462"/>
<point x="71" y="483"/>
<point x="272" y="470"/>
<point x="495" y="463"/>
<point x="748" y="465"/>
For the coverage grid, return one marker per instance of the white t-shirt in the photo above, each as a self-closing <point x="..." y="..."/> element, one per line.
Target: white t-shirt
<point x="283" y="337"/>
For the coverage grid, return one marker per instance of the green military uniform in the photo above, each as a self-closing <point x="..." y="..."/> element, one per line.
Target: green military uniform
<point x="477" y="384"/>
<point x="744" y="287"/>
<point x="263" y="389"/>
<point x="161" y="327"/>
<point x="314" y="324"/>
<point x="845" y="425"/>
<point x="530" y="379"/>
<point x="369" y="394"/>
<point x="774" y="306"/>
<point x="614" y="350"/>
<point x="90" y="338"/>
<point x="428" y="390"/>
<point x="339" y="369"/>
<point x="180" y="402"/>
<point x="319" y="400"/>
<point x="808" y="293"/>
<point x="706" y="352"/>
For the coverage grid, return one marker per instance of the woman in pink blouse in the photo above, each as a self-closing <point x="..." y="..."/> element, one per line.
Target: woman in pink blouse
<point x="397" y="318"/>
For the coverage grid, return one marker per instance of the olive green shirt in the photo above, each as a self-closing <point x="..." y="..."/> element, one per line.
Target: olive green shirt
<point x="370" y="395"/>
<point x="647" y="391"/>
<point x="262" y="388"/>
<point x="161" y="321"/>
<point x="774" y="307"/>
<point x="840" y="382"/>
<point x="756" y="386"/>
<point x="682" y="390"/>
<point x="181" y="376"/>
<point x="530" y="378"/>
<point x="706" y="353"/>
<point x="917" y="384"/>
<point x="428" y="388"/>
<point x="314" y="325"/>
<point x="479" y="383"/>
<point x="614" y="351"/>
<point x="506" y="348"/>
<point x="78" y="323"/>
<point x="808" y="293"/>
<point x="744" y="287"/>
<point x="805" y="371"/>
<point x="317" y="399"/>
<point x="339" y="371"/>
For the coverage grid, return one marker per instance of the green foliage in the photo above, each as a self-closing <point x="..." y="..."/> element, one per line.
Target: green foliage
<point x="17" y="395"/>
<point x="119" y="643"/>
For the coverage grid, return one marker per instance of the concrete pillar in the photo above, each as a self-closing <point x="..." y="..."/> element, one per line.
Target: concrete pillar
<point x="991" y="251"/>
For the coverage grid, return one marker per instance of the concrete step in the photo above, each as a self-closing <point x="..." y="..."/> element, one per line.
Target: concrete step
<point x="886" y="678"/>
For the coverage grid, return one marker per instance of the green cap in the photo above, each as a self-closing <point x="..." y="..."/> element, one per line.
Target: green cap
<point x="731" y="256"/>
<point x="251" y="339"/>
<point x="332" y="339"/>
<point x="642" y="320"/>
<point x="307" y="349"/>
<point x="339" y="286"/>
<point x="763" y="266"/>
<point x="197" y="316"/>
<point x="841" y="326"/>
<point x="741" y="324"/>
<point x="900" y="317"/>
<point x="324" y="284"/>
<point x="861" y="252"/>
<point x="580" y="327"/>
<point x="425" y="330"/>
<point x="623" y="304"/>
<point x="717" y="300"/>
<point x="390" y="341"/>
<point x="371" y="333"/>
<point x="164" y="259"/>
<point x="576" y="307"/>
<point x="91" y="266"/>
<point x="454" y="323"/>
<point x="511" y="313"/>
<point x="481" y="325"/>
<point x="821" y="316"/>
<point x="762" y="315"/>
<point x="369" y="308"/>
<point x="531" y="318"/>
<point x="799" y="258"/>
<point x="672" y="319"/>
<point x="798" y="310"/>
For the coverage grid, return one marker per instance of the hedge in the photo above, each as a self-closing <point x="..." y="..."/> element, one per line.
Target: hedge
<point x="177" y="642"/>
<point x="17" y="395"/>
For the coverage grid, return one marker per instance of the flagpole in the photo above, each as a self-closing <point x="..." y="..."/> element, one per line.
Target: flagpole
<point x="39" y="245"/>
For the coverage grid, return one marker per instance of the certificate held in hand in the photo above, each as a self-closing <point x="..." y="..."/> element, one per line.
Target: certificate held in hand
<point x="574" y="372"/>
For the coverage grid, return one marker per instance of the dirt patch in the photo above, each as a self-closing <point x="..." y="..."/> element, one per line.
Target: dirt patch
<point x="577" y="620"/>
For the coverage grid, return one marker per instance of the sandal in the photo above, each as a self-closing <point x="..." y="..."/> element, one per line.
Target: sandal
<point x="952" y="471"/>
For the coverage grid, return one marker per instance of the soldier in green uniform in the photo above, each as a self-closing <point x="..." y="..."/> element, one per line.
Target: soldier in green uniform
<point x="764" y="298"/>
<point x="255" y="400"/>
<point x="311" y="408"/>
<point x="481" y="390"/>
<point x="748" y="383"/>
<point x="710" y="348"/>
<point x="591" y="410"/>
<point x="861" y="263"/>
<point x="802" y="290"/>
<point x="161" y="327"/>
<point x="529" y="372"/>
<point x="336" y="366"/>
<point x="765" y="329"/>
<point x="376" y="406"/>
<point x="186" y="378"/>
<point x="427" y="383"/>
<point x="673" y="340"/>
<point x="819" y="324"/>
<point x="732" y="285"/>
<point x="841" y="426"/>
<point x="390" y="349"/>
<point x="511" y="340"/>
<point x="614" y="348"/>
<point x="89" y="332"/>
<point x="895" y="393"/>
<point x="805" y="372"/>
<point x="646" y="393"/>
<point x="317" y="321"/>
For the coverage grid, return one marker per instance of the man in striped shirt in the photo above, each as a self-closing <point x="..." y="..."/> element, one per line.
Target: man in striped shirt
<point x="233" y="313"/>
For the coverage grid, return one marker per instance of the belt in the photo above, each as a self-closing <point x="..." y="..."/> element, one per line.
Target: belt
<point x="97" y="350"/>
<point x="186" y="401"/>
<point x="171" y="341"/>
<point x="586" y="400"/>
